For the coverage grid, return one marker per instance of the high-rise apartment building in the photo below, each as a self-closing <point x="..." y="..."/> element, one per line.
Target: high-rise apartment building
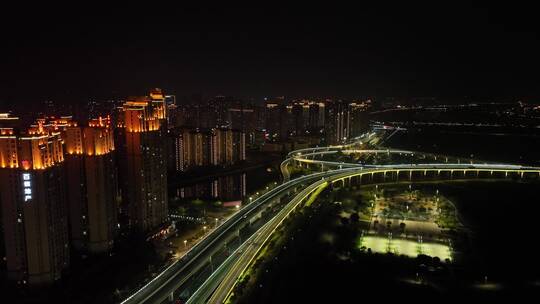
<point x="144" y="186"/>
<point x="337" y="122"/>
<point x="217" y="147"/>
<point x="277" y="119"/>
<point x="33" y="204"/>
<point x="92" y="185"/>
<point x="192" y="148"/>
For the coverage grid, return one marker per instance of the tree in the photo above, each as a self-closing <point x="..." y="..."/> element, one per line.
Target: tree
<point x="354" y="217"/>
<point x="402" y="226"/>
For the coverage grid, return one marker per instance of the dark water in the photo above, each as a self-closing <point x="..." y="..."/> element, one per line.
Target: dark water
<point x="503" y="219"/>
<point x="500" y="146"/>
<point x="227" y="187"/>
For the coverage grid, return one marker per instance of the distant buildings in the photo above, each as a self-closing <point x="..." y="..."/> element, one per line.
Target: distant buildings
<point x="277" y="119"/>
<point x="192" y="148"/>
<point x="216" y="147"/>
<point x="338" y="123"/>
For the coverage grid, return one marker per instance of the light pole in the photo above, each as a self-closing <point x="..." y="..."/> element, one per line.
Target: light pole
<point x="185" y="244"/>
<point x="216" y="221"/>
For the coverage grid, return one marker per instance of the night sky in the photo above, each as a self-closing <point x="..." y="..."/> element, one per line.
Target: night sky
<point x="270" y="51"/>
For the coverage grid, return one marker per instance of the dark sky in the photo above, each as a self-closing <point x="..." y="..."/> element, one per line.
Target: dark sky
<point x="301" y="51"/>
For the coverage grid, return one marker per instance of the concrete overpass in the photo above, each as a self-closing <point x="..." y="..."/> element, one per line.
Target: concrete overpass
<point x="166" y="286"/>
<point x="219" y="287"/>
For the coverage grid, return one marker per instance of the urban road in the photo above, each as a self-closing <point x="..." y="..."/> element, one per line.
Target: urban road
<point x="218" y="287"/>
<point x="208" y="272"/>
<point x="174" y="281"/>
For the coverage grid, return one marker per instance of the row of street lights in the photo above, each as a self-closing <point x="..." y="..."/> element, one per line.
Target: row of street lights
<point x="204" y="229"/>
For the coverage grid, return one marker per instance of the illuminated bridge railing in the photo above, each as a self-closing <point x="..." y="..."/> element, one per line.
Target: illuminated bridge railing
<point x="446" y="173"/>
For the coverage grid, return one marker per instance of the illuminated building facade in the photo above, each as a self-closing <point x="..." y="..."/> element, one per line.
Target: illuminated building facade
<point x="33" y="205"/>
<point x="217" y="147"/>
<point x="222" y="147"/>
<point x="144" y="174"/>
<point x="92" y="185"/>
<point x="193" y="149"/>
<point x="337" y="122"/>
<point x="277" y="121"/>
<point x="359" y="117"/>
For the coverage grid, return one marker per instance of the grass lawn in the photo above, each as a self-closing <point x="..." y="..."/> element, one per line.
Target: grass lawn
<point x="410" y="248"/>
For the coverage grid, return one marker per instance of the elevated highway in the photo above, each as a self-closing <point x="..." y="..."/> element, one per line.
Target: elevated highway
<point x="219" y="287"/>
<point x="170" y="283"/>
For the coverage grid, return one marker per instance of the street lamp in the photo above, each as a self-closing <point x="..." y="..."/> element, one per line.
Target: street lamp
<point x="216" y="221"/>
<point x="185" y="244"/>
<point x="204" y="227"/>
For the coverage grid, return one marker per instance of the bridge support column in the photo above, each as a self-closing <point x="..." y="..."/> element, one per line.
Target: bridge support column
<point x="171" y="297"/>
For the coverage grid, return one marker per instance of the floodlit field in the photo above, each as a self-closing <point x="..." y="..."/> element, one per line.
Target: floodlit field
<point x="409" y="248"/>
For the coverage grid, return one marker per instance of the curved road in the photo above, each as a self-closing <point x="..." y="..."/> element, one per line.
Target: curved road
<point x="163" y="286"/>
<point x="220" y="285"/>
